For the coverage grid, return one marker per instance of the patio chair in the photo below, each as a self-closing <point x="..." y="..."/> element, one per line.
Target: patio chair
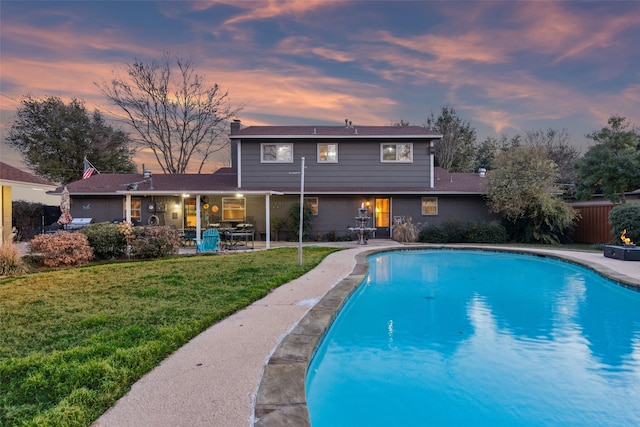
<point x="210" y="241"/>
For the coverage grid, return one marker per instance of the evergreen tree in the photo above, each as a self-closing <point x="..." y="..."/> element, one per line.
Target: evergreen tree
<point x="54" y="138"/>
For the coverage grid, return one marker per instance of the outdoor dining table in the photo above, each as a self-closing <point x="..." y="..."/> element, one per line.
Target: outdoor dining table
<point x="234" y="237"/>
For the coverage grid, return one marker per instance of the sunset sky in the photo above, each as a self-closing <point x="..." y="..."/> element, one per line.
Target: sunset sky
<point x="506" y="67"/>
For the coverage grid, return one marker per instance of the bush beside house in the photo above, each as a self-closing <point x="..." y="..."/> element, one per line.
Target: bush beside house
<point x="106" y="240"/>
<point x="625" y="217"/>
<point x="154" y="242"/>
<point x="463" y="232"/>
<point x="62" y="249"/>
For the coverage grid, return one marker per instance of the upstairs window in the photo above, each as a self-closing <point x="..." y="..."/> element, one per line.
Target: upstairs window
<point x="276" y="153"/>
<point x="396" y="153"/>
<point x="327" y="153"/>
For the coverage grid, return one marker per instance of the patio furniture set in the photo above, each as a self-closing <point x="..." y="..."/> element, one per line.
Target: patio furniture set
<point x="228" y="238"/>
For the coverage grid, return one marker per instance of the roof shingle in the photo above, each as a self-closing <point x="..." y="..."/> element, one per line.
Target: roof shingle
<point x="327" y="131"/>
<point x="224" y="179"/>
<point x="10" y="173"/>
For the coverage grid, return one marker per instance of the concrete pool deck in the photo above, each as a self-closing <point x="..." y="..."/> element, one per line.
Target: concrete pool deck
<point x="249" y="368"/>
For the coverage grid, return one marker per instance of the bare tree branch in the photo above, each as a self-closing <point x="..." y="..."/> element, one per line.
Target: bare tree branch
<point x="173" y="111"/>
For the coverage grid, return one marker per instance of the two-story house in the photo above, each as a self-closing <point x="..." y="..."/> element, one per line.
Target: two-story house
<point x="388" y="169"/>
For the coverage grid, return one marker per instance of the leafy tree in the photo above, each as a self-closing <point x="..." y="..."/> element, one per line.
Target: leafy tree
<point x="521" y="188"/>
<point x="486" y="151"/>
<point x="54" y="137"/>
<point x="173" y="111"/>
<point x="558" y="147"/>
<point x="612" y="166"/>
<point x="456" y="149"/>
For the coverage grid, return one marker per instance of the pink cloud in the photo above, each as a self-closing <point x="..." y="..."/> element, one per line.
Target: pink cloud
<point x="260" y="10"/>
<point x="304" y="93"/>
<point x="68" y="43"/>
<point x="472" y="46"/>
<point x="304" y="47"/>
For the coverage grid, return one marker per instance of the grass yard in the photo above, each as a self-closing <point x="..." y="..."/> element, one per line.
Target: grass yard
<point x="73" y="341"/>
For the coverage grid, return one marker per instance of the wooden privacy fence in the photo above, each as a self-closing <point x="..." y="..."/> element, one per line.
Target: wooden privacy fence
<point x="593" y="226"/>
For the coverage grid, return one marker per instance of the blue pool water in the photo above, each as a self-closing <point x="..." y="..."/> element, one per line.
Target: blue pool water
<point x="474" y="338"/>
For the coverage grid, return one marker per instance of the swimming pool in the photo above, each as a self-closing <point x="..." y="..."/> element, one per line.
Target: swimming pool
<point x="443" y="337"/>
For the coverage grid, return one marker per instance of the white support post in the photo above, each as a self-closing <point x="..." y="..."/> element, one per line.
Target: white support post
<point x="198" y="226"/>
<point x="127" y="207"/>
<point x="267" y="225"/>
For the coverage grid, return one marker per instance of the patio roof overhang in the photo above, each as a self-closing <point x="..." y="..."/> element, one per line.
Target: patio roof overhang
<point x="197" y="193"/>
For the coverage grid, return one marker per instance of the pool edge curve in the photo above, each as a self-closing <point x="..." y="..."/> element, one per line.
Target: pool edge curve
<point x="281" y="395"/>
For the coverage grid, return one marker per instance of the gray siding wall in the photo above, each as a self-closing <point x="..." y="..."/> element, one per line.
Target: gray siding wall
<point x="337" y="213"/>
<point x="108" y="208"/>
<point x="358" y="166"/>
<point x="101" y="209"/>
<point x="453" y="207"/>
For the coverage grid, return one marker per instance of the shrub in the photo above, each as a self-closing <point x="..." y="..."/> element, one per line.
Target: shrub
<point x="486" y="232"/>
<point x="278" y="224"/>
<point x="626" y="217"/>
<point x="455" y="231"/>
<point x="62" y="248"/>
<point x="294" y="224"/>
<point x="463" y="232"/>
<point x="155" y="242"/>
<point x="106" y="240"/>
<point x="333" y="236"/>
<point x="405" y="231"/>
<point x="11" y="262"/>
<point x="432" y="234"/>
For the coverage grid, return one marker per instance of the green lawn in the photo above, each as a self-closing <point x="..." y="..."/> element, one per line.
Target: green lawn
<point x="74" y="341"/>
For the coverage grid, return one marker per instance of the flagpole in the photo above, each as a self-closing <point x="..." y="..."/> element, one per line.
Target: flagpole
<point x="87" y="168"/>
<point x="91" y="164"/>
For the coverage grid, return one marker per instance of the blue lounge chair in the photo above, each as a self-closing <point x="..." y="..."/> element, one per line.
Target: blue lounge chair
<point x="210" y="241"/>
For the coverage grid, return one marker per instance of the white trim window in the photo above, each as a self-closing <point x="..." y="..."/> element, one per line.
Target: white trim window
<point x="327" y="153"/>
<point x="396" y="152"/>
<point x="429" y="206"/>
<point x="233" y="209"/>
<point x="276" y="153"/>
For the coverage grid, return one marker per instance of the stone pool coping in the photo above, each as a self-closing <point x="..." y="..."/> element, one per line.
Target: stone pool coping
<point x="281" y="398"/>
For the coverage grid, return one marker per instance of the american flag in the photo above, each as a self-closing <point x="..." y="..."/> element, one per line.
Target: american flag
<point x="88" y="169"/>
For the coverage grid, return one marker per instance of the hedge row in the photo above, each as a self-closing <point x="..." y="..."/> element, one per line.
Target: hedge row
<point x="463" y="232"/>
<point x="104" y="241"/>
